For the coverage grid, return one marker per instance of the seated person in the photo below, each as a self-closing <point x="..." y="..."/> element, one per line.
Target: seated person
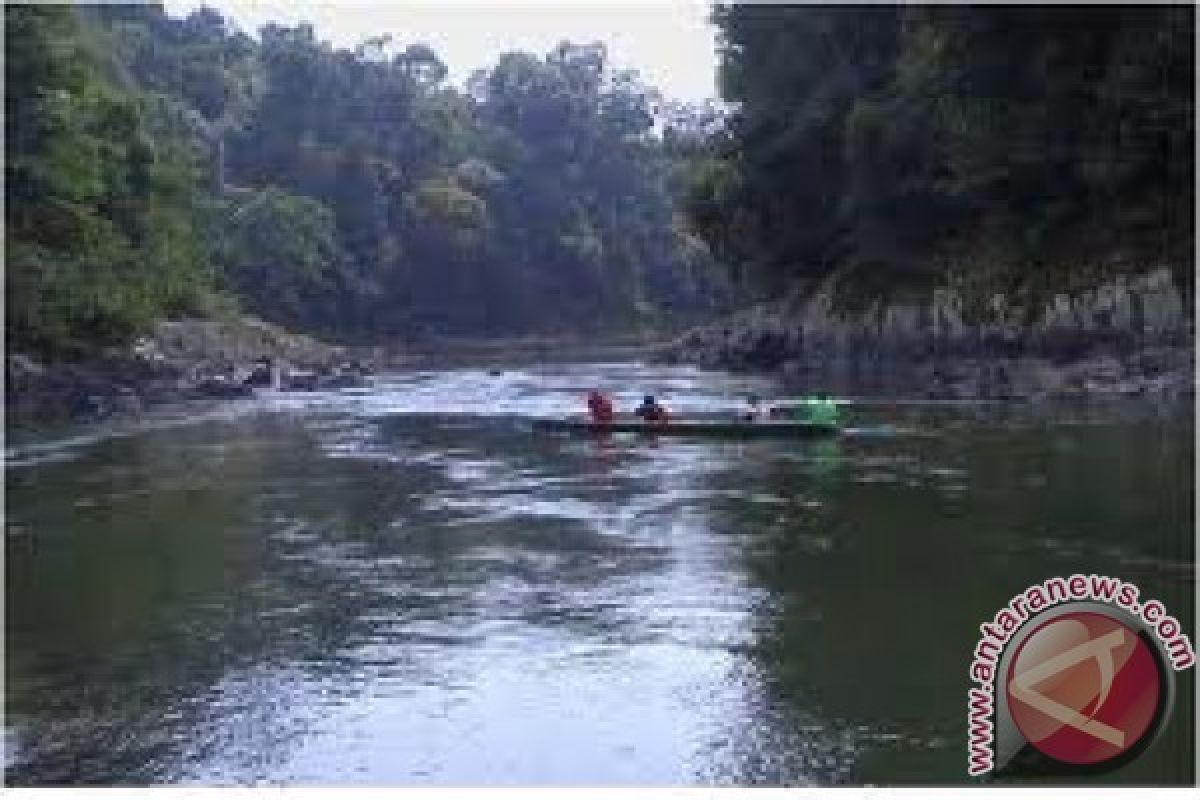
<point x="754" y="410"/>
<point x="600" y="407"/>
<point x="651" y="411"/>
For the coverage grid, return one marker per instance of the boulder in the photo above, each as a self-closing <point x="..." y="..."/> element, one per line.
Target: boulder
<point x="221" y="387"/>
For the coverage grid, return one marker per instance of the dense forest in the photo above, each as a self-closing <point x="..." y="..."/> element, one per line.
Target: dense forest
<point x="159" y="166"/>
<point x="896" y="146"/>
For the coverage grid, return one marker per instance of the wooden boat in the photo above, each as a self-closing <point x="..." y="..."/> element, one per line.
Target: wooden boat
<point x="731" y="429"/>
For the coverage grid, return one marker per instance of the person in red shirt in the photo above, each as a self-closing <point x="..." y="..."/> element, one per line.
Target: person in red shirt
<point x="600" y="407"/>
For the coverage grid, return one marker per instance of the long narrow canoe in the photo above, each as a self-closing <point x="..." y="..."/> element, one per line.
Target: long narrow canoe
<point x="732" y="429"/>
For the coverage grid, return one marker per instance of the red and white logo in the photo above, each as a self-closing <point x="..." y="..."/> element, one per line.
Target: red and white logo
<point x="1084" y="688"/>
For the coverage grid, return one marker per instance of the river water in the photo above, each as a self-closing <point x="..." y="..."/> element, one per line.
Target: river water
<point x="407" y="586"/>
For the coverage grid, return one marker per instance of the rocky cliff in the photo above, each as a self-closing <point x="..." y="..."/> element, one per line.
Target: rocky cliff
<point x="179" y="360"/>
<point x="1129" y="333"/>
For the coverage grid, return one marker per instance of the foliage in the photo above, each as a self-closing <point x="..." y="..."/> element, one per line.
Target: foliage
<point x="100" y="237"/>
<point x="536" y="200"/>
<point x="152" y="161"/>
<point x="280" y="255"/>
<point x="888" y="141"/>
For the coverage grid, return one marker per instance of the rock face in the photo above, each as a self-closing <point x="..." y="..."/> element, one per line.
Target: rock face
<point x="1132" y="333"/>
<point x="218" y="345"/>
<point x="186" y="359"/>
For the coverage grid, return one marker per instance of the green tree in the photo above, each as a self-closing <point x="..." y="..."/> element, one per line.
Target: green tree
<point x="885" y="142"/>
<point x="100" y="237"/>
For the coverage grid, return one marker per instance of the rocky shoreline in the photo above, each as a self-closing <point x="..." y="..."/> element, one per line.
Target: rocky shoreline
<point x="181" y="360"/>
<point x="1129" y="335"/>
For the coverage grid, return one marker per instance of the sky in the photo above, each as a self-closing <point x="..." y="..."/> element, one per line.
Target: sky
<point x="669" y="42"/>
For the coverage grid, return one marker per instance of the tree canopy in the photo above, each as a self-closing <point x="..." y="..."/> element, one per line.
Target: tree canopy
<point x="100" y="235"/>
<point x="156" y="162"/>
<point x="896" y="143"/>
<point x="160" y="165"/>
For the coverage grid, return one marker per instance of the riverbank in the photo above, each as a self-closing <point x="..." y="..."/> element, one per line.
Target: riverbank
<point x="231" y="357"/>
<point x="180" y="360"/>
<point x="1131" y="334"/>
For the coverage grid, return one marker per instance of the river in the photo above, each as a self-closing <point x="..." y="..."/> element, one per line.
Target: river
<point x="405" y="585"/>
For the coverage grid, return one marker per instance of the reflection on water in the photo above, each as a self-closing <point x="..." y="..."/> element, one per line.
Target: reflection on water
<point x="407" y="586"/>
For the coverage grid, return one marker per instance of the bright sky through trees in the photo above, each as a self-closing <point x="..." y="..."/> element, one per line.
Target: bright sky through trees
<point x="670" y="42"/>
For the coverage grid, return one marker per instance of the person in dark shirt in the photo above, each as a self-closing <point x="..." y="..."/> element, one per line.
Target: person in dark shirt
<point x="651" y="410"/>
